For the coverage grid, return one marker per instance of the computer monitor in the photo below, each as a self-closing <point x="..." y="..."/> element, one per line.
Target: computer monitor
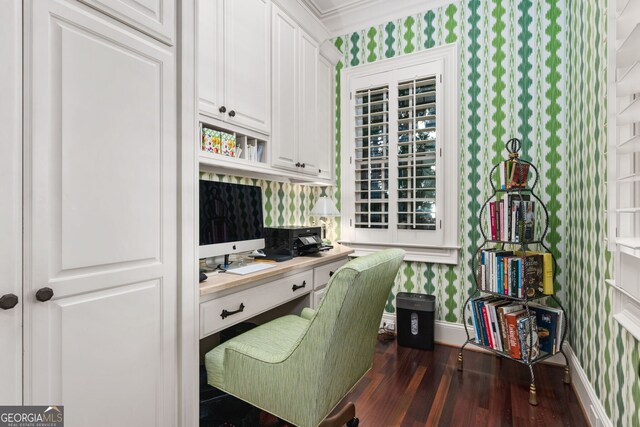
<point x="230" y="218"/>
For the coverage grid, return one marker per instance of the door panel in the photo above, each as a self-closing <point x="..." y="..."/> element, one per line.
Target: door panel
<point x="11" y="197"/>
<point x="284" y="135"/>
<point x="210" y="57"/>
<point x="247" y="63"/>
<point x="154" y="17"/>
<point x="100" y="220"/>
<point x="308" y="138"/>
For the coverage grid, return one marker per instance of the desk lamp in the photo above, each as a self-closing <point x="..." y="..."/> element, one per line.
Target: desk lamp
<point x="325" y="208"/>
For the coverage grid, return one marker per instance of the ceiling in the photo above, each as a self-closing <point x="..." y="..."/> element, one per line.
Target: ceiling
<point x="324" y="8"/>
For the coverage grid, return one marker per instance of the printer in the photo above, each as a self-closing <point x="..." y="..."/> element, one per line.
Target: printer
<point x="293" y="240"/>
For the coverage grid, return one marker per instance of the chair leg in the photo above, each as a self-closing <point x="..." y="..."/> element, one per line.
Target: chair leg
<point x="347" y="415"/>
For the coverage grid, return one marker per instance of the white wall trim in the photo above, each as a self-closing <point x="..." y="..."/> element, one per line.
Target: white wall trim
<point x="359" y="15"/>
<point x="452" y="334"/>
<point x="188" y="295"/>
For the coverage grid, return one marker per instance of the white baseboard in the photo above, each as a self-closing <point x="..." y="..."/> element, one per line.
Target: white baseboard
<point x="453" y="334"/>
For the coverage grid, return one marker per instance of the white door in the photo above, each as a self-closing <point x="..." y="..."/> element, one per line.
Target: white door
<point x="210" y="60"/>
<point x="100" y="219"/>
<point x="11" y="203"/>
<point x="308" y="128"/>
<point x="247" y="33"/>
<point x="284" y="134"/>
<point x="325" y="123"/>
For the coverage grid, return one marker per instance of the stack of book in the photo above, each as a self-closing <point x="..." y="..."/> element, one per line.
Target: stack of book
<point x="512" y="218"/>
<point x="503" y="325"/>
<point x="513" y="174"/>
<point x="510" y="273"/>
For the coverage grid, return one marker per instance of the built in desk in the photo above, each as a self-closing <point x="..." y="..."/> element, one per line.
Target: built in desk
<point x="227" y="299"/>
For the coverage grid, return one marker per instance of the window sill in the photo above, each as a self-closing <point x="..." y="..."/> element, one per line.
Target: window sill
<point x="417" y="253"/>
<point x="626" y="309"/>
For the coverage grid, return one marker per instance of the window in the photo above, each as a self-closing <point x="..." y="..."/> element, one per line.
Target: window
<point x="624" y="162"/>
<point x="399" y="154"/>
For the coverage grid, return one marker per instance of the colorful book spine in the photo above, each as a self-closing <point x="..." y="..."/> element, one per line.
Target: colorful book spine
<point x="547" y="262"/>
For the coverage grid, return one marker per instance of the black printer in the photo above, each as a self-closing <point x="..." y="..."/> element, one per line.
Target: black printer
<point x="293" y="240"/>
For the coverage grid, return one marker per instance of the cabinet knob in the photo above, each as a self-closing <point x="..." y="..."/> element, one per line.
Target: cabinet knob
<point x="44" y="294"/>
<point x="8" y="301"/>
<point x="298" y="164"/>
<point x="232" y="113"/>
<point x="222" y="109"/>
<point x="302" y="165"/>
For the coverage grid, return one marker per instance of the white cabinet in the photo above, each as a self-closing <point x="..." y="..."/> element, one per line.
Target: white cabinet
<point x="302" y="101"/>
<point x="153" y="17"/>
<point x="234" y="63"/>
<point x="325" y="123"/>
<point x="100" y="279"/>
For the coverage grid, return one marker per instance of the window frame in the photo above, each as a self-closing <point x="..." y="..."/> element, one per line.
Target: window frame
<point x="441" y="245"/>
<point x="624" y="248"/>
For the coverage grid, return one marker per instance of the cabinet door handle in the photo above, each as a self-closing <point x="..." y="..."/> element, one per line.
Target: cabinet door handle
<point x="296" y="287"/>
<point x="232" y="113"/>
<point x="44" y="294"/>
<point x="331" y="273"/>
<point x="8" y="301"/>
<point x="225" y="313"/>
<point x="222" y="109"/>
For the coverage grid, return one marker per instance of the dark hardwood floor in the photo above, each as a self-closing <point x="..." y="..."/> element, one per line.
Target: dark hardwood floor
<point x="411" y="387"/>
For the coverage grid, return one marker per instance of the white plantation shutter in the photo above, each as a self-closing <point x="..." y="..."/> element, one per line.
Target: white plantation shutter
<point x="624" y="160"/>
<point x="371" y="157"/>
<point x="416" y="149"/>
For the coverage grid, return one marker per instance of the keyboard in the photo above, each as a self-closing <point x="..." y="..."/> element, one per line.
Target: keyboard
<point x="251" y="268"/>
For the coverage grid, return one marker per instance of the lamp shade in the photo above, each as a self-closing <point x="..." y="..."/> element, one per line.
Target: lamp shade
<point x="325" y="207"/>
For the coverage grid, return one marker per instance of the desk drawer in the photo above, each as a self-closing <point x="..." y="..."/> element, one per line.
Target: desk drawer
<point x="228" y="310"/>
<point x="322" y="274"/>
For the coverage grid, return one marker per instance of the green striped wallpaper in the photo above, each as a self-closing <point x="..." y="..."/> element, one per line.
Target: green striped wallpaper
<point x="510" y="85"/>
<point x="608" y="354"/>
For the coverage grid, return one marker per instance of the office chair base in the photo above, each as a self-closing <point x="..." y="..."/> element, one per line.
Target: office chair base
<point x="346" y="416"/>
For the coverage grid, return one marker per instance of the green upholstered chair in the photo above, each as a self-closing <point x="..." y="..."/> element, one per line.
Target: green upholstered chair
<point x="299" y="368"/>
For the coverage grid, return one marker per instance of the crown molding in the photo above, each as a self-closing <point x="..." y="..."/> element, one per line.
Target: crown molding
<point x="359" y="14"/>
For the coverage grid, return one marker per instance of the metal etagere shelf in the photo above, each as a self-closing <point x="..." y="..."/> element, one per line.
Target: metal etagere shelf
<point x="529" y="292"/>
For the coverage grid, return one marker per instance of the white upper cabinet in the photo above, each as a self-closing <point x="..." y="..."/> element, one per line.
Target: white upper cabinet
<point x="234" y="39"/>
<point x="325" y="122"/>
<point x="284" y="134"/>
<point x="302" y="101"/>
<point x="153" y="17"/>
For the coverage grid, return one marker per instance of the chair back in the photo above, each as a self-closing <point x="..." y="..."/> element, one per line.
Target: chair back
<point x="342" y="335"/>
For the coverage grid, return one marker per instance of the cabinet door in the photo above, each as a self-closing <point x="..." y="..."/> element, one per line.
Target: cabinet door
<point x="308" y="123"/>
<point x="284" y="136"/>
<point x="326" y="128"/>
<point x="247" y="42"/>
<point x="154" y="17"/>
<point x="210" y="58"/>
<point x="11" y="196"/>
<point x="100" y="219"/>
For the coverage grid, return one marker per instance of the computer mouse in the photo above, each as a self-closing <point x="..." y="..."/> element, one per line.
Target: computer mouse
<point x="203" y="277"/>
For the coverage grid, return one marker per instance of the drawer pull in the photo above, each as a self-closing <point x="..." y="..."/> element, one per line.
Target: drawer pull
<point x="295" y="287"/>
<point x="226" y="313"/>
<point x="331" y="273"/>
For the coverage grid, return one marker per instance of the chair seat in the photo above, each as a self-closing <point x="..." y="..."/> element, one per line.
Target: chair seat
<point x="270" y="342"/>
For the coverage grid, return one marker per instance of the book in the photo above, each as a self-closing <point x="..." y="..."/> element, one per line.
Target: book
<point x="528" y="338"/>
<point x="547" y="319"/>
<point x="519" y="175"/>
<point x="502" y="311"/>
<point x="533" y="273"/>
<point x="511" y="320"/>
<point x="547" y="285"/>
<point x="492" y="213"/>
